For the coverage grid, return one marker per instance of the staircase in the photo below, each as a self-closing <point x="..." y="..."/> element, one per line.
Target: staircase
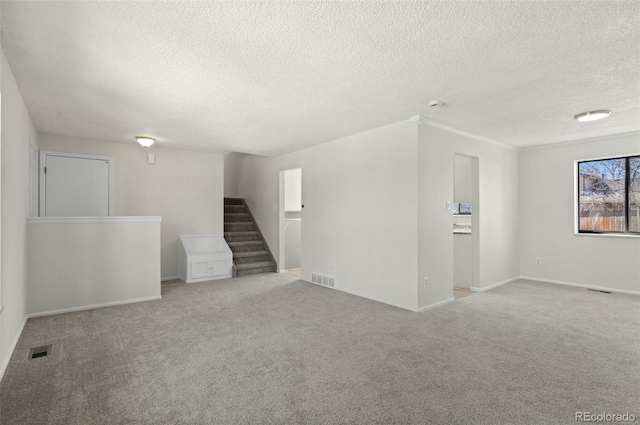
<point x="251" y="254"/>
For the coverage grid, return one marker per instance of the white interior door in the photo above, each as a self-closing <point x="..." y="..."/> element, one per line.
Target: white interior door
<point x="75" y="186"/>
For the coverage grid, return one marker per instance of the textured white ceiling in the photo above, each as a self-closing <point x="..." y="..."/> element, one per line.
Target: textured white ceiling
<point x="274" y="77"/>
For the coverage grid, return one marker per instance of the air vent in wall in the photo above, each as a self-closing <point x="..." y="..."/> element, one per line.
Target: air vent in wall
<point x="319" y="279"/>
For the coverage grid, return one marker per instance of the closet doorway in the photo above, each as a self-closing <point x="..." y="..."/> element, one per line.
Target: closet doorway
<point x="290" y="260"/>
<point x="75" y="185"/>
<point x="466" y="225"/>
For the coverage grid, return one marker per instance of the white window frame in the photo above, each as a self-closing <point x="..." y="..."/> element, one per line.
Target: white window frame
<point x="576" y="200"/>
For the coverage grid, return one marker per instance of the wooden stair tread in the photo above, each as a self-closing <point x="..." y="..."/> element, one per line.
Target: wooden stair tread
<point x="256" y="265"/>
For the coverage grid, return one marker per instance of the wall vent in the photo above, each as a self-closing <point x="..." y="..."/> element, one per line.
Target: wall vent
<point x="323" y="280"/>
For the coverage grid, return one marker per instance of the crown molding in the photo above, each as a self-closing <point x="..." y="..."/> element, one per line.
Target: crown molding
<point x="635" y="133"/>
<point x="419" y="119"/>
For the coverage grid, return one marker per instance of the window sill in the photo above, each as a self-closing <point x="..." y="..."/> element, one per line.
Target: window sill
<point x="607" y="235"/>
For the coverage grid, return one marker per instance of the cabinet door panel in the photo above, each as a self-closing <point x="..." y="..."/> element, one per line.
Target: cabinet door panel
<point x="201" y="268"/>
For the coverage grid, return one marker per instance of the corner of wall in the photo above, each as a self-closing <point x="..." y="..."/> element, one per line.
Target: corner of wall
<point x="16" y="131"/>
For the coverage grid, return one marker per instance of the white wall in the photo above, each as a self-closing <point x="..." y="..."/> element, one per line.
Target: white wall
<point x="547" y="218"/>
<point x="100" y="261"/>
<point x="361" y="210"/>
<point x="232" y="171"/>
<point x="462" y="179"/>
<point x="16" y="130"/>
<point x="293" y="238"/>
<point x="497" y="212"/>
<point x="184" y="187"/>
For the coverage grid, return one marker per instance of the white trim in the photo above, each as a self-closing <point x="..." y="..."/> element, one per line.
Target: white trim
<point x="12" y="348"/>
<point x="419" y="119"/>
<point x="494" y="285"/>
<point x="582" y="285"/>
<point x="606" y="157"/>
<point x="207" y="278"/>
<point x="434" y="305"/>
<point x="32" y="146"/>
<point x="93" y="306"/>
<point x="282" y="217"/>
<point x="609" y="235"/>
<point x="201" y="236"/>
<point x="580" y="141"/>
<point x="166" y="278"/>
<point x="281" y="222"/>
<point x="75" y="220"/>
<point x="43" y="178"/>
<point x="358" y="294"/>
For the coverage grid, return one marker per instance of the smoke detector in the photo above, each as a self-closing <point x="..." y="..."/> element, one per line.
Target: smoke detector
<point x="435" y="103"/>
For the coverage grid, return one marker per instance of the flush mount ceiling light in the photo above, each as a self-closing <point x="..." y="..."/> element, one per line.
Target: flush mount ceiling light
<point x="145" y="141"/>
<point x="592" y="115"/>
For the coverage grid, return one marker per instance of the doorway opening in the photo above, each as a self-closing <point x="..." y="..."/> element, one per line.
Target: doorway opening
<point x="75" y="185"/>
<point x="290" y="256"/>
<point x="466" y="225"/>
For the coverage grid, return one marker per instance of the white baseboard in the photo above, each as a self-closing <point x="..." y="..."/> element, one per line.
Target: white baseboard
<point x="12" y="348"/>
<point x="434" y="305"/>
<point x="358" y="294"/>
<point x="164" y="279"/>
<point x="494" y="285"/>
<point x="91" y="307"/>
<point x="582" y="285"/>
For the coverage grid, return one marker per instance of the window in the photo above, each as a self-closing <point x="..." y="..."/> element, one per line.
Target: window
<point x="609" y="195"/>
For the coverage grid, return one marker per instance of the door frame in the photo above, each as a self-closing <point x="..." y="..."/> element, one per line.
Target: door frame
<point x="43" y="180"/>
<point x="475" y="220"/>
<point x="34" y="179"/>
<point x="282" y="221"/>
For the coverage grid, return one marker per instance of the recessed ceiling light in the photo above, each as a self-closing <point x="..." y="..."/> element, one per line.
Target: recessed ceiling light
<point x="145" y="141"/>
<point x="592" y="115"/>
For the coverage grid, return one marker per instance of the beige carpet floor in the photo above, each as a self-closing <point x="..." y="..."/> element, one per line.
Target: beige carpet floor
<point x="270" y="349"/>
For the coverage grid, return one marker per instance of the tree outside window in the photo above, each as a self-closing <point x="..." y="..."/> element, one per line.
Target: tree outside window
<point x="609" y="195"/>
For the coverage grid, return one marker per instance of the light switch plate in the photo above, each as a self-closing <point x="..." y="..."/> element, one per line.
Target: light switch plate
<point x="151" y="158"/>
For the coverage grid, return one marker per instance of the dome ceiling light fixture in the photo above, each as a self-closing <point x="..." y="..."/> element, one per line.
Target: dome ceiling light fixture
<point x="592" y="115"/>
<point x="145" y="141"/>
